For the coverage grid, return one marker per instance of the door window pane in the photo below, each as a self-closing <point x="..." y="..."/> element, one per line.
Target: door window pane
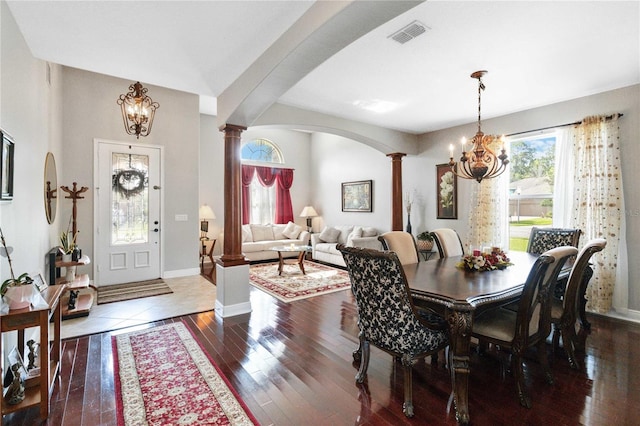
<point x="130" y="195"/>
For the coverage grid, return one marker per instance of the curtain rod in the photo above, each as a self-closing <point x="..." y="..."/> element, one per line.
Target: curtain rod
<point x="608" y="117"/>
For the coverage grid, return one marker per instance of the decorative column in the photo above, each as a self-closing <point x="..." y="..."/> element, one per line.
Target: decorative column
<point x="396" y="190"/>
<point x="232" y="251"/>
<point x="232" y="269"/>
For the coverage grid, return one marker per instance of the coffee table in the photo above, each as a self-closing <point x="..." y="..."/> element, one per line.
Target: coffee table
<point x="289" y="249"/>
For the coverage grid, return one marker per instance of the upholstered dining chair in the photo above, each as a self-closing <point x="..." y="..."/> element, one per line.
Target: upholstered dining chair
<point x="543" y="239"/>
<point x="531" y="324"/>
<point x="387" y="317"/>
<point x="403" y="244"/>
<point x="448" y="242"/>
<point x="565" y="311"/>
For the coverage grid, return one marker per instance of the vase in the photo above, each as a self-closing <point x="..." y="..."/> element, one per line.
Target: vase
<point x="409" y="223"/>
<point x="71" y="274"/>
<point x="66" y="257"/>
<point x="424" y="245"/>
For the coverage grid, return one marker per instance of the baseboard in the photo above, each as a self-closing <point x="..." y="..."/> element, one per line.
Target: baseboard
<point x="232" y="310"/>
<point x="181" y="273"/>
<point x="624" y="314"/>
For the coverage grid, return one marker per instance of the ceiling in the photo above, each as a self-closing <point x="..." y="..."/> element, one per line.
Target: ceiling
<point x="537" y="53"/>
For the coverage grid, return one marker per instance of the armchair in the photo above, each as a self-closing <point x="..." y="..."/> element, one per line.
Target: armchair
<point x="387" y="317"/>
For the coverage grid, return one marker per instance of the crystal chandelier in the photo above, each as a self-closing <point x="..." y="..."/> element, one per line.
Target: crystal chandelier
<point x="481" y="162"/>
<point x="138" y="110"/>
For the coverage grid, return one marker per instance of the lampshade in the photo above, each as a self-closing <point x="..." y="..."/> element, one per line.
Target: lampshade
<point x="206" y="212"/>
<point x="308" y="211"/>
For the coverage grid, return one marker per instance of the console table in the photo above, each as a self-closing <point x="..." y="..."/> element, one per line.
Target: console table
<point x="50" y="351"/>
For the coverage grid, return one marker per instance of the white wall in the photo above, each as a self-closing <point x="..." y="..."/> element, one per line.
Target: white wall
<point x="336" y="160"/>
<point x="90" y="111"/>
<point x="30" y="111"/>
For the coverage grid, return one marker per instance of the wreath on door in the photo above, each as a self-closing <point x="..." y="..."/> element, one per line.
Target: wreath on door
<point x="129" y="182"/>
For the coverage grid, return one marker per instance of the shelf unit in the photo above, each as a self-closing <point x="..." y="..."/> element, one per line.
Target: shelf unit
<point x="74" y="304"/>
<point x="50" y="351"/>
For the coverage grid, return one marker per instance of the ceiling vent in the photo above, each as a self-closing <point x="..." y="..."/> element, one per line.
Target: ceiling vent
<point x="409" y="32"/>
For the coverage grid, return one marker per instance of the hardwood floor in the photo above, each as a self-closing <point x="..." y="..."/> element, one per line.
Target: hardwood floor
<point x="292" y="365"/>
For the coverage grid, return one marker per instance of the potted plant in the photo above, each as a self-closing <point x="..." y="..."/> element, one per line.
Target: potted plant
<point x="425" y="241"/>
<point x="16" y="302"/>
<point x="67" y="245"/>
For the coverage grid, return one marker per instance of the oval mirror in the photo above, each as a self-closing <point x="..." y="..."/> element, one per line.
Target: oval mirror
<point x="50" y="188"/>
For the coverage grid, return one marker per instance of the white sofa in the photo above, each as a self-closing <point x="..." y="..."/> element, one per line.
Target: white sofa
<point x="257" y="240"/>
<point x="324" y="243"/>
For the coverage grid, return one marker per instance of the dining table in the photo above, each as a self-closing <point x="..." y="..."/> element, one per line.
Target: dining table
<point x="459" y="295"/>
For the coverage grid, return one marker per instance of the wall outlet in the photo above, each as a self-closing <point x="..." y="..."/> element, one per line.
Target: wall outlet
<point x="182" y="218"/>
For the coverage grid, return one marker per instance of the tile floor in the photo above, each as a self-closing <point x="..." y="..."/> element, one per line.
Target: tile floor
<point x="190" y="295"/>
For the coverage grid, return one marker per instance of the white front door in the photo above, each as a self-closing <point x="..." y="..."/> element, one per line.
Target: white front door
<point x="127" y="213"/>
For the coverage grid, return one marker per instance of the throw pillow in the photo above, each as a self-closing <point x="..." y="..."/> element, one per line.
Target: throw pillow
<point x="246" y="234"/>
<point x="262" y="232"/>
<point x="356" y="233"/>
<point x="329" y="235"/>
<point x="369" y="232"/>
<point x="292" y="231"/>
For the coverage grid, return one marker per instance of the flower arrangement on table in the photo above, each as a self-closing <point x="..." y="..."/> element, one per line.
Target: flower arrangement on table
<point x="477" y="261"/>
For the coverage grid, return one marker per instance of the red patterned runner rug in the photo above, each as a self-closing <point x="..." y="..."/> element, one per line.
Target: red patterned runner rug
<point x="163" y="377"/>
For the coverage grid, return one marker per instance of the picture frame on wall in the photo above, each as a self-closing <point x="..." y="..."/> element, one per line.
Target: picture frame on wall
<point x="447" y="192"/>
<point x="357" y="196"/>
<point x="6" y="166"/>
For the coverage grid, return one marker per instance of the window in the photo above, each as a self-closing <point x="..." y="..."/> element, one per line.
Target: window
<point x="532" y="168"/>
<point x="261" y="152"/>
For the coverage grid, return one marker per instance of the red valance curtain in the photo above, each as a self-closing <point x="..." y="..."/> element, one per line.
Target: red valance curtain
<point x="267" y="177"/>
<point x="284" y="210"/>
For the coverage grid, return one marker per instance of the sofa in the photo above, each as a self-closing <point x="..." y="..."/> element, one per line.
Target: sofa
<point x="324" y="243"/>
<point x="258" y="240"/>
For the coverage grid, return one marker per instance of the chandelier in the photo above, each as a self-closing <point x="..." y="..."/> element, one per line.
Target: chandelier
<point x="481" y="162"/>
<point x="138" y="110"/>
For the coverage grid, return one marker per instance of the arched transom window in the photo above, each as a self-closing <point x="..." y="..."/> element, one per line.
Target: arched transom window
<point x="261" y="151"/>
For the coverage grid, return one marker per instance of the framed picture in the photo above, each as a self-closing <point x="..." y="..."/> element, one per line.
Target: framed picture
<point x="447" y="190"/>
<point x="357" y="196"/>
<point x="6" y="167"/>
<point x="39" y="282"/>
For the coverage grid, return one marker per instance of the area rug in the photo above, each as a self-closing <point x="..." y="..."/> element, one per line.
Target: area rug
<point x="293" y="285"/>
<point x="164" y="377"/>
<point x="134" y="290"/>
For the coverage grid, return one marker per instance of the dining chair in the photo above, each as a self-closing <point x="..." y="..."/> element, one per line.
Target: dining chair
<point x="543" y="239"/>
<point x="387" y="317"/>
<point x="403" y="244"/>
<point x="448" y="242"/>
<point x="531" y="324"/>
<point x="565" y="311"/>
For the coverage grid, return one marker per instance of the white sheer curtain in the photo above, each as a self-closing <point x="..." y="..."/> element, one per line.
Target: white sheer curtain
<point x="488" y="217"/>
<point x="598" y="204"/>
<point x="563" y="181"/>
<point x="263" y="202"/>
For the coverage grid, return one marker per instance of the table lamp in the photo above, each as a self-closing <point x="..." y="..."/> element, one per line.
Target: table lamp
<point x="205" y="214"/>
<point x="308" y="212"/>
